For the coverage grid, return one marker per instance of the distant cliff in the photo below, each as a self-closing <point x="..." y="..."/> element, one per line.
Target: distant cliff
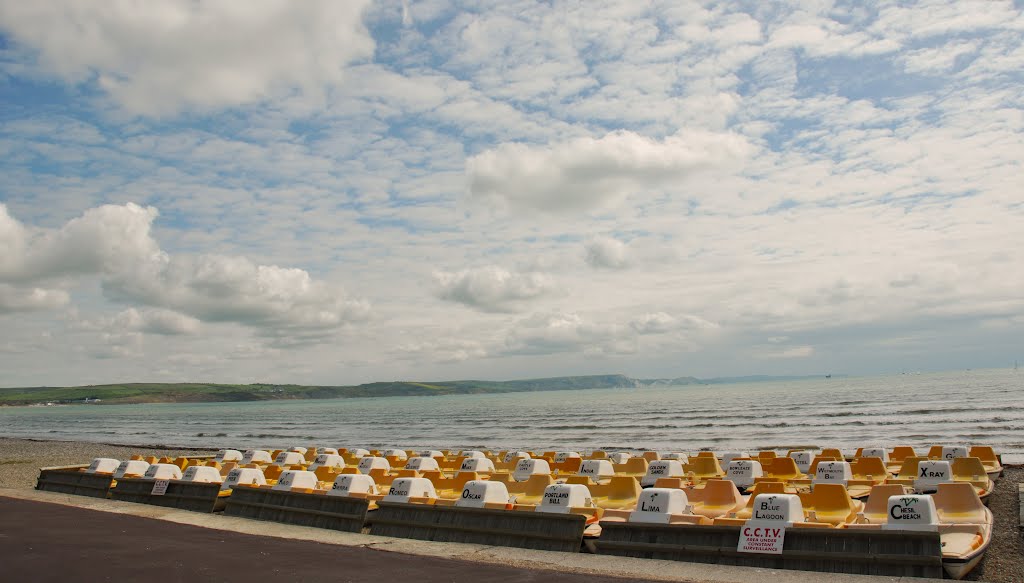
<point x="207" y="392"/>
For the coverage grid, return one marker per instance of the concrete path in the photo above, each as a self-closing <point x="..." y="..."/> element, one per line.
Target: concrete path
<point x="46" y="542"/>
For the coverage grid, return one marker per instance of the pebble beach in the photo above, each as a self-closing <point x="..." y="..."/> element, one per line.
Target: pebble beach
<point x="21" y="459"/>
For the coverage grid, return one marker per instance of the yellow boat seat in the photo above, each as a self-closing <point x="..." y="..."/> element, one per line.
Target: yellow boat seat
<point x="832" y="452"/>
<point x="876" y="509"/>
<point x="704" y="468"/>
<point x="988" y="458"/>
<point x="651" y="456"/>
<point x="620" y="493"/>
<point x="812" y="471"/>
<point x="908" y="470"/>
<point x="703" y="454"/>
<point x="985" y="453"/>
<point x="272" y="472"/>
<point x="675" y="483"/>
<point x="327" y="473"/>
<point x="532" y="492"/>
<point x="766" y="456"/>
<point x="569" y="466"/>
<point x="181" y="462"/>
<point x="635" y="467"/>
<point x="597" y="455"/>
<point x="898" y="455"/>
<point x="831" y="504"/>
<point x="759" y="488"/>
<point x="717" y="498"/>
<point x="226" y="468"/>
<point x="783" y="469"/>
<point x="869" y="468"/>
<point x="452" y="487"/>
<point x="971" y="470"/>
<point x="958" y="503"/>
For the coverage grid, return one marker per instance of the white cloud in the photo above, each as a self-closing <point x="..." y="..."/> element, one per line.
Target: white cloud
<point x="161" y="56"/>
<point x="607" y="253"/>
<point x="442" y="350"/>
<point x="937" y="60"/>
<point x="560" y="332"/>
<point x="147" y="320"/>
<point x="108" y="239"/>
<point x="661" y="323"/>
<point x="792" y="352"/>
<point x="115" y="243"/>
<point x="493" y="288"/>
<point x="19" y="299"/>
<point x="588" y="173"/>
<point x="656" y="323"/>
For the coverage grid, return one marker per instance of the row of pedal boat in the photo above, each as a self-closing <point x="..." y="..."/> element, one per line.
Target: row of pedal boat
<point x="875" y="488"/>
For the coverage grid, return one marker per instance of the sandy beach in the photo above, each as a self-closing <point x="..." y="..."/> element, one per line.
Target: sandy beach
<point x="21" y="459"/>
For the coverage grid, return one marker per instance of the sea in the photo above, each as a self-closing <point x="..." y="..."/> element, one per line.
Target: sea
<point x="983" y="407"/>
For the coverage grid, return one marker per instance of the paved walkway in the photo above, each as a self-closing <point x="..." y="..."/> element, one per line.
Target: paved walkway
<point x="48" y="542"/>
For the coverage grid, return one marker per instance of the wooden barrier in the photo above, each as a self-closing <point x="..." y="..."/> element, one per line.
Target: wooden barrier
<point x="506" y="528"/>
<point x="316" y="510"/>
<point x="70" y="480"/>
<point x="865" y="552"/>
<point x="194" y="496"/>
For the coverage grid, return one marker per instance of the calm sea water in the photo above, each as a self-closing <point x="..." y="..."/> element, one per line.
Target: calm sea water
<point x="966" y="407"/>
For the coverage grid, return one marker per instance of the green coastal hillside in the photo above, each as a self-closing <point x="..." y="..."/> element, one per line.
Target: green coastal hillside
<point x="128" y="393"/>
<point x="211" y="392"/>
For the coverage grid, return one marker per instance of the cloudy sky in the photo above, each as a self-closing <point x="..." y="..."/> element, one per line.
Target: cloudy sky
<point x="341" y="192"/>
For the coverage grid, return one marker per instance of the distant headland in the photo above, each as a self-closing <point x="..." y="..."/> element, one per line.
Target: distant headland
<point x="131" y="393"/>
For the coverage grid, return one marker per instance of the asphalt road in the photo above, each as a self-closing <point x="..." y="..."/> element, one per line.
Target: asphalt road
<point x="42" y="542"/>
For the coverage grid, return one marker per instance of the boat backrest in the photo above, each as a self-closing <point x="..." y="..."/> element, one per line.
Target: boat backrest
<point x="782" y="508"/>
<point x="744" y="473"/>
<point x="370" y="463"/>
<point x="480" y="465"/>
<point x="422" y="464"/>
<point x="405" y="489"/>
<point x="296" y="479"/>
<point x="349" y="484"/>
<point x="257" y="456"/>
<point x="131" y="469"/>
<point x="528" y="467"/>
<point x="103" y="465"/>
<point x="802" y="459"/>
<point x="662" y="469"/>
<point x="931" y="473"/>
<point x="561" y="498"/>
<point x="911" y="512"/>
<point x="657" y="505"/>
<point x="833" y="473"/>
<point x="479" y="493"/>
<point x="203" y="475"/>
<point x="597" y="469"/>
<point x="878" y="452"/>
<point x="243" y="476"/>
